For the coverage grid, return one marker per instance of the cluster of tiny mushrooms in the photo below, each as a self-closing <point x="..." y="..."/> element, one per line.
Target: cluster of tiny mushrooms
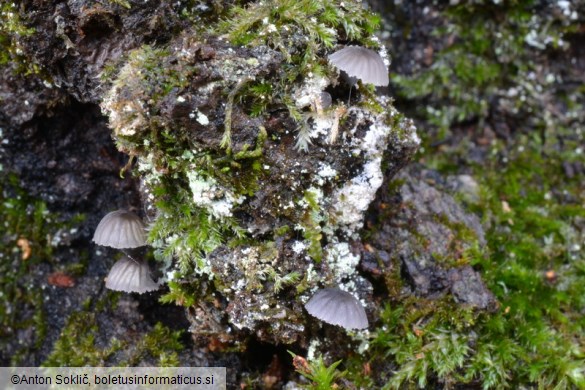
<point x="125" y="230"/>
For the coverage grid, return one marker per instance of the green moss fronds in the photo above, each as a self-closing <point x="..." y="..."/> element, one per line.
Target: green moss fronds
<point x="12" y="30"/>
<point x="187" y="233"/>
<point x="160" y="343"/>
<point x="322" y="376"/>
<point x="77" y="347"/>
<point x="122" y="3"/>
<point x="493" y="52"/>
<point x="79" y="344"/>
<point x="143" y="80"/>
<point x="534" y="265"/>
<point x="302" y="31"/>
<point x="29" y="232"/>
<point x="276" y="23"/>
<point x="312" y="223"/>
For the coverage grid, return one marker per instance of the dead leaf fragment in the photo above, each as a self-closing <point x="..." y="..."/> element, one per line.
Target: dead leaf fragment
<point x="60" y="279"/>
<point x="24" y="246"/>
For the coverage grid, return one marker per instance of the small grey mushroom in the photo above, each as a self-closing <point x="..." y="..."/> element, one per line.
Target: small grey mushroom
<point x="129" y="275"/>
<point x="120" y="229"/>
<point x="337" y="307"/>
<point x="362" y="63"/>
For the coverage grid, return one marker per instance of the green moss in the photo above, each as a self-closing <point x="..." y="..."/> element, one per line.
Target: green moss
<point x="161" y="344"/>
<point x="188" y="232"/>
<point x="280" y="282"/>
<point x="312" y="223"/>
<point x="322" y="376"/>
<point x="121" y="3"/>
<point x="197" y="113"/>
<point x="279" y="24"/>
<point x="28" y="228"/>
<point x="81" y="341"/>
<point x="146" y="78"/>
<point x="533" y="262"/>
<point x="531" y="208"/>
<point x="12" y="30"/>
<point x="77" y="345"/>
<point x="195" y="186"/>
<point x="275" y="23"/>
<point x="489" y="57"/>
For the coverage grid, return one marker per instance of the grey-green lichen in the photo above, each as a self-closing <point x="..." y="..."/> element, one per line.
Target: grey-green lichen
<point x="236" y="209"/>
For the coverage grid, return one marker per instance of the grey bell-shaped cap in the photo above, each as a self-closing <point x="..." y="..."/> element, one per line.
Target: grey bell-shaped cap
<point x="362" y="63"/>
<point x="337" y="307"/>
<point x="121" y="229"/>
<point x="129" y="275"/>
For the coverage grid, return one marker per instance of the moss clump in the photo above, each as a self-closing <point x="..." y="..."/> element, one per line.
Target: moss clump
<point x="28" y="229"/>
<point x="12" y="30"/>
<point x="531" y="202"/>
<point x="80" y="343"/>
<point x="313" y="222"/>
<point x="76" y="347"/>
<point x="122" y="3"/>
<point x="494" y="48"/>
<point x="160" y="343"/>
<point x="277" y="24"/>
<point x="322" y="376"/>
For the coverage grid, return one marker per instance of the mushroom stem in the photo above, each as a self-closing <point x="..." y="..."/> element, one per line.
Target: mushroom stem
<point x="135" y="254"/>
<point x="349" y="97"/>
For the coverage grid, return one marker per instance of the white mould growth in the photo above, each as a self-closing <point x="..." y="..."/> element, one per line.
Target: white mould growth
<point x="327" y="171"/>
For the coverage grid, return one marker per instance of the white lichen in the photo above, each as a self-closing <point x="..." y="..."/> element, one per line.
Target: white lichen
<point x="298" y="247"/>
<point x="341" y="261"/>
<point x="202" y="118"/>
<point x="208" y="194"/>
<point x="353" y="199"/>
<point x="305" y="94"/>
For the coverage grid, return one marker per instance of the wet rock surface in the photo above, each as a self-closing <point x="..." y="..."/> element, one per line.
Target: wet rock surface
<point x="423" y="232"/>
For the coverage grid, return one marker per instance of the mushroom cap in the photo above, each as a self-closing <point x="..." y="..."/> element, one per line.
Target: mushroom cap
<point x="337" y="307"/>
<point x="129" y="275"/>
<point x="365" y="64"/>
<point x="120" y="229"/>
